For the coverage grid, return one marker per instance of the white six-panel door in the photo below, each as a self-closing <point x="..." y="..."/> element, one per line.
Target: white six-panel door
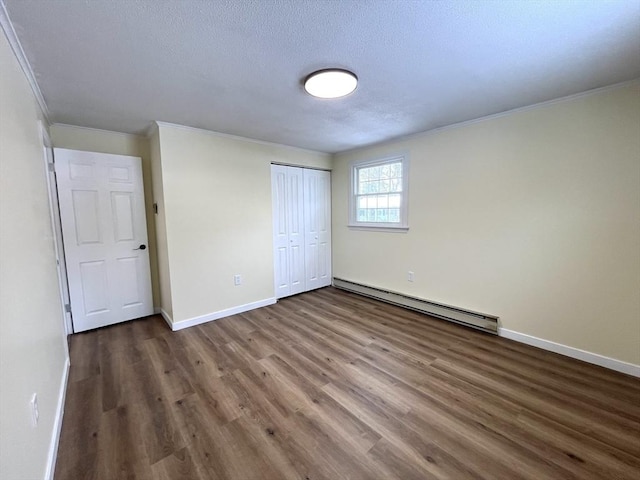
<point x="317" y="221"/>
<point x="288" y="222"/>
<point x="302" y="229"/>
<point x="105" y="237"/>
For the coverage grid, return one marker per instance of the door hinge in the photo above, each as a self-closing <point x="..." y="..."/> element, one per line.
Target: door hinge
<point x="67" y="308"/>
<point x="52" y="167"/>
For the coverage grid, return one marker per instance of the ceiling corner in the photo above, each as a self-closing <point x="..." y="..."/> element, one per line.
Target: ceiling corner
<point x="14" y="43"/>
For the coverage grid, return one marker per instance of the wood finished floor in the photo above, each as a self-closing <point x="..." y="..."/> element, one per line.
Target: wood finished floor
<point x="330" y="385"/>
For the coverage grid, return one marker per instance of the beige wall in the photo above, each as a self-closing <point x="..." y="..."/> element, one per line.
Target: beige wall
<point x="33" y="351"/>
<point x="217" y="201"/>
<point x="164" y="278"/>
<point x="533" y="216"/>
<point x="102" y="141"/>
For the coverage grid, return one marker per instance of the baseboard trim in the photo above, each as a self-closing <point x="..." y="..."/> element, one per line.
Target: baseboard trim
<point x="57" y="424"/>
<point x="585" y="356"/>
<point x="190" y="322"/>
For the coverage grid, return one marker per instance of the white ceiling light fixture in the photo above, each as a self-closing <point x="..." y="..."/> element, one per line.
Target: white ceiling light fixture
<point x="331" y="83"/>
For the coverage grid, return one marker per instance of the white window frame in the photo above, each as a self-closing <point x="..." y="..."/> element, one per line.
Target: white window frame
<point x="403" y="224"/>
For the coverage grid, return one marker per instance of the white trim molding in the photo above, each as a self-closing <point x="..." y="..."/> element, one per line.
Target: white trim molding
<point x="152" y="129"/>
<point x="589" y="357"/>
<point x="190" y="322"/>
<point x="16" y="46"/>
<point x="57" y="424"/>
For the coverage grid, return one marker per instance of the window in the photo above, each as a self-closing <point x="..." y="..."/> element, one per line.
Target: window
<point x="379" y="193"/>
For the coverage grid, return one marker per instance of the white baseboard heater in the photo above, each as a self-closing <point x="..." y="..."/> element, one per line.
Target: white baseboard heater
<point x="481" y="321"/>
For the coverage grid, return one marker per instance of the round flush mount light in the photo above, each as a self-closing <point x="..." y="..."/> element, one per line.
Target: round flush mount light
<point x="330" y="83"/>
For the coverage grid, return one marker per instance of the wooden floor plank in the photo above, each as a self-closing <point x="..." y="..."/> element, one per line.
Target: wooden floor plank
<point x="331" y="385"/>
<point x="84" y="405"/>
<point x="127" y="457"/>
<point x="181" y="465"/>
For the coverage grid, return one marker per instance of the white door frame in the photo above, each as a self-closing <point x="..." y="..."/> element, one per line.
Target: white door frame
<point x="52" y="188"/>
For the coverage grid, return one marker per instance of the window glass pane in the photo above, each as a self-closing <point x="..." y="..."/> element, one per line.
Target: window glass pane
<point x="362" y="215"/>
<point x="372" y="202"/>
<point x="381" y="215"/>
<point x="394" y="215"/>
<point x="362" y="202"/>
<point x="368" y="187"/>
<point x="383" y="201"/>
<point x="395" y="185"/>
<point x="394" y="201"/>
<point x="363" y="174"/>
<point x="371" y="215"/>
<point x="385" y="185"/>
<point x="385" y="171"/>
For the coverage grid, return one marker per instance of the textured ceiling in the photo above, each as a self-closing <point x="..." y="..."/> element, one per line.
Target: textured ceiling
<point x="236" y="66"/>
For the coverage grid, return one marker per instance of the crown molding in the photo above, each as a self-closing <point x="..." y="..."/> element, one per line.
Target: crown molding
<point x="493" y="116"/>
<point x="46" y="137"/>
<point x="152" y="130"/>
<point x="12" y="38"/>
<point x="238" y="137"/>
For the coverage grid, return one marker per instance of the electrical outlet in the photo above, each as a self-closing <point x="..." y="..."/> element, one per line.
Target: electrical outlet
<point x="237" y="280"/>
<point x="410" y="276"/>
<point x="35" y="413"/>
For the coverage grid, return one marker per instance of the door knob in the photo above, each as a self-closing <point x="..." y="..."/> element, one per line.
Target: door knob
<point x="141" y="247"/>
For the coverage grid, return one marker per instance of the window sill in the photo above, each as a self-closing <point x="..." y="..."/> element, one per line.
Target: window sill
<point x="378" y="228"/>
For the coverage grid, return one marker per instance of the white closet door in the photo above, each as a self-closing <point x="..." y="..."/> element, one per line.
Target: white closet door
<point x="280" y="230"/>
<point x="317" y="219"/>
<point x="295" y="206"/>
<point x="288" y="230"/>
